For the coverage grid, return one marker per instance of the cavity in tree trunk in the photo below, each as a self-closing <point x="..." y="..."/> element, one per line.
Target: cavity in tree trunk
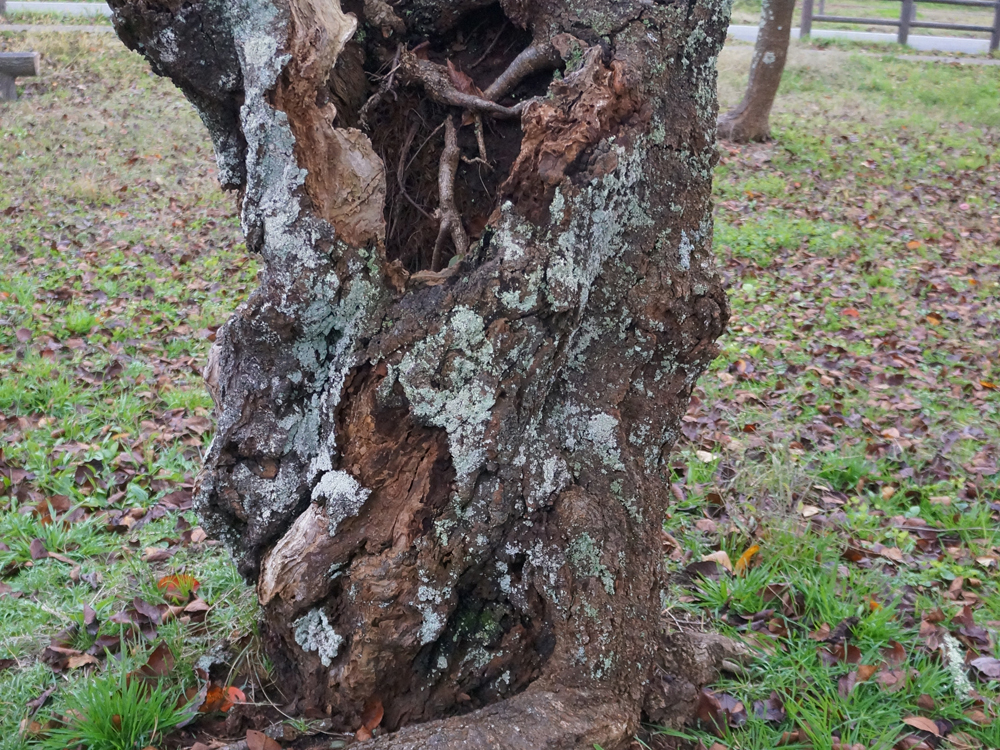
<point x="444" y="418"/>
<point x="750" y="120"/>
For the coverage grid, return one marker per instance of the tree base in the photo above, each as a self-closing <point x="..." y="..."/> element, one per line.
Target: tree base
<point x="743" y="129"/>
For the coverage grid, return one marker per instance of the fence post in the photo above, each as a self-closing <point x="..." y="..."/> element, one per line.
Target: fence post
<point x="905" y="16"/>
<point x="805" y="28"/>
<point x="995" y="36"/>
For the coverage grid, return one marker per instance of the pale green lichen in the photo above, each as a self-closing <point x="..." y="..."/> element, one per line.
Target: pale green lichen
<point x="341" y="495"/>
<point x="313" y="632"/>
<point x="955" y="661"/>
<point x="585" y="557"/>
<point x="462" y="400"/>
<point x="433" y="621"/>
<point x="602" y="431"/>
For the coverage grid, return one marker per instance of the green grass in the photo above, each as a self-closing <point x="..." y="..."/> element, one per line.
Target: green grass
<point x="116" y="713"/>
<point x="864" y="326"/>
<point x="855" y="393"/>
<point x="121" y="254"/>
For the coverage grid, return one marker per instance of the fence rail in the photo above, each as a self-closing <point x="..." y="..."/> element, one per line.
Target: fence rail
<point x="907" y="19"/>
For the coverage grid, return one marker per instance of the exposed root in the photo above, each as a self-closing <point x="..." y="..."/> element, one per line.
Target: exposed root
<point x="534" y="59"/>
<point x="686" y="662"/>
<point x="554" y="720"/>
<point x="451" y="220"/>
<point x="439" y="87"/>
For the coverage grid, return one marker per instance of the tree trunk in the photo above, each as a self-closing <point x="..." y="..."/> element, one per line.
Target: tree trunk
<point x="449" y="484"/>
<point x="750" y="120"/>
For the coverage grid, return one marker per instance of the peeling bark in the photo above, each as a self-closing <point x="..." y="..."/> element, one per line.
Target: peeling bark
<point x="449" y="485"/>
<point x="750" y="119"/>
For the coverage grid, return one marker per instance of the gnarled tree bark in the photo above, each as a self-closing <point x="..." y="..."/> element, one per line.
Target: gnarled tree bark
<point x="449" y="485"/>
<point x="750" y="119"/>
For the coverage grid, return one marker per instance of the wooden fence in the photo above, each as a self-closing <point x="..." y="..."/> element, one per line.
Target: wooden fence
<point x="907" y="19"/>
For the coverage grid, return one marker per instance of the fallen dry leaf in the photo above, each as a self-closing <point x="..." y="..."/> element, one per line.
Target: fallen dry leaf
<point x="962" y="741"/>
<point x="37" y="549"/>
<point x="372" y="713"/>
<point x="924" y="724"/>
<point x="178" y="587"/>
<point x="977" y="717"/>
<point x="865" y="672"/>
<point x="741" y="565"/>
<point x="260" y="741"/>
<point x="81" y="660"/>
<point x="894" y="653"/>
<point x="987" y="666"/>
<point x="719" y="557"/>
<point x="925" y="701"/>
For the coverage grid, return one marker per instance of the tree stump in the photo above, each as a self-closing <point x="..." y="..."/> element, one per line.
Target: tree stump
<point x="444" y="418"/>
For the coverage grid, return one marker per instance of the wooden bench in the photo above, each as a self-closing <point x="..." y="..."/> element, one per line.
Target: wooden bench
<point x="13" y="65"/>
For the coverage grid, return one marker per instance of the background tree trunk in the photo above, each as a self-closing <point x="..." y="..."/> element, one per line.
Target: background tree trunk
<point x="449" y="485"/>
<point x="750" y="120"/>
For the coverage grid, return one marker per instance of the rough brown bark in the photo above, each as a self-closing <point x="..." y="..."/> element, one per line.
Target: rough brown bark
<point x="750" y="119"/>
<point x="449" y="485"/>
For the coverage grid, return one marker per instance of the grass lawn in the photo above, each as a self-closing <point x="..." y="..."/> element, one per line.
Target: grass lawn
<point x="849" y="428"/>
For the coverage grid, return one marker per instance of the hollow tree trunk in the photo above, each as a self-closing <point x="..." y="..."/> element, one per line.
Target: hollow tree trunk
<point x="750" y="119"/>
<point x="449" y="484"/>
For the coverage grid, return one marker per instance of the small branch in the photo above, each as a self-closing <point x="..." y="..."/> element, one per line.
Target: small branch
<point x="451" y="220"/>
<point x="534" y="59"/>
<point x="401" y="169"/>
<point x="421" y="146"/>
<point x="492" y="45"/>
<point x="483" y="158"/>
<point x="436" y="81"/>
<point x="383" y="89"/>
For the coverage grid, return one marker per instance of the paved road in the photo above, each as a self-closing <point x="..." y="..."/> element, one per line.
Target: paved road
<point x="916" y="41"/>
<point x="742" y="33"/>
<point x="69" y="9"/>
<point x="43" y="27"/>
